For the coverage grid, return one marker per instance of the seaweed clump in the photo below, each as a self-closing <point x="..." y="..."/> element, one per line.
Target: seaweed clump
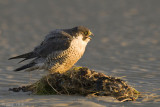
<point x="83" y="81"/>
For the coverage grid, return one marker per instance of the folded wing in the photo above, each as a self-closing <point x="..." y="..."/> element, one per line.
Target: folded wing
<point x="52" y="43"/>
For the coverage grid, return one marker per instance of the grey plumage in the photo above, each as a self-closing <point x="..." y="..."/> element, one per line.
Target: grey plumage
<point x="26" y="56"/>
<point x="59" y="51"/>
<point x="25" y="66"/>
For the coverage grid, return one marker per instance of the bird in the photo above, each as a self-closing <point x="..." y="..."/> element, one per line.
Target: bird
<point x="58" y="52"/>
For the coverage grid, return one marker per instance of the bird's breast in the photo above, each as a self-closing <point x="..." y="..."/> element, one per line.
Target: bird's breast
<point x="78" y="45"/>
<point x="68" y="57"/>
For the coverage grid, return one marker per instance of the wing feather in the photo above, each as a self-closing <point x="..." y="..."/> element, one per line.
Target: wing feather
<point x="53" y="42"/>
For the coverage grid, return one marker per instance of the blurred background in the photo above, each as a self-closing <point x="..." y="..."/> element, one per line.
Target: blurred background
<point x="126" y="41"/>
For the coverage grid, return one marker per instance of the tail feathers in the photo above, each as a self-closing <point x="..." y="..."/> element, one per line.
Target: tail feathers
<point x="25" y="66"/>
<point x="26" y="56"/>
<point x="24" y="60"/>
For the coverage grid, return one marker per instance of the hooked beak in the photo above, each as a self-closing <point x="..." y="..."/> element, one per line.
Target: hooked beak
<point x="90" y="34"/>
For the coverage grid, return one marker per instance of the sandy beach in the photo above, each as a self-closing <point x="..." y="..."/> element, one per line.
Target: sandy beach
<point x="126" y="45"/>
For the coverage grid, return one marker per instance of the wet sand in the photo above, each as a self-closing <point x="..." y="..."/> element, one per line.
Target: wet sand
<point x="126" y="44"/>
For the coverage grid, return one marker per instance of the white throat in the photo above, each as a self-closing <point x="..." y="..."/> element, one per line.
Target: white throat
<point x="79" y="44"/>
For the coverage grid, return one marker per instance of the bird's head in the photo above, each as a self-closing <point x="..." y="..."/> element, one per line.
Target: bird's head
<point x="81" y="31"/>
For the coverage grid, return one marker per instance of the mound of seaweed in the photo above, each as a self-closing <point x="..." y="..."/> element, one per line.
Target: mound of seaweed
<point x="82" y="81"/>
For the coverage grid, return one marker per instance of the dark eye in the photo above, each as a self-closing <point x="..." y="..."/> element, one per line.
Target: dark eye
<point x="86" y="33"/>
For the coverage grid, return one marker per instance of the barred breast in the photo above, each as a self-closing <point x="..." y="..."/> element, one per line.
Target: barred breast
<point x="68" y="57"/>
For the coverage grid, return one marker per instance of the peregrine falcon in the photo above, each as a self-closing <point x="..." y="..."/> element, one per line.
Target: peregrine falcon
<point x="59" y="51"/>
